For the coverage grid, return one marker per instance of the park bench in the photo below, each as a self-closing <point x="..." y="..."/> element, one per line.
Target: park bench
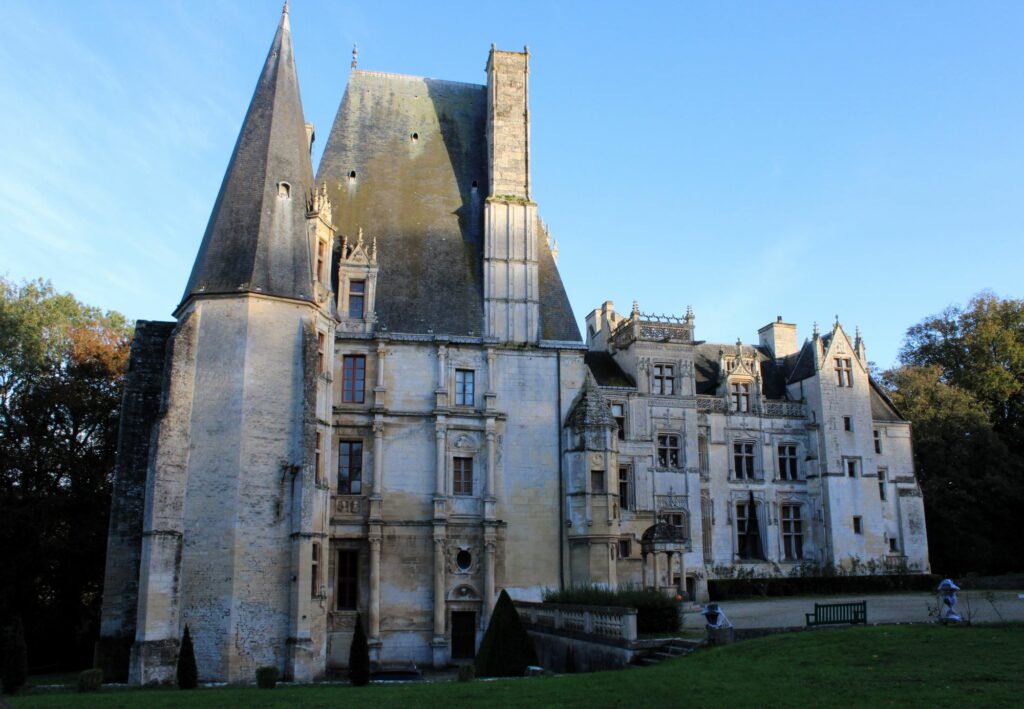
<point x="837" y="613"/>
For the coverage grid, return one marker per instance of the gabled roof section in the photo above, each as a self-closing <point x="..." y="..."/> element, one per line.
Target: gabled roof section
<point x="256" y="238"/>
<point x="406" y="161"/>
<point x="708" y="376"/>
<point x="803" y="367"/>
<point x="606" y="370"/>
<point x="590" y="408"/>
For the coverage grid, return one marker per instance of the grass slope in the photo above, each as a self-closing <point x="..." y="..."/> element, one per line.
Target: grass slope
<point x="923" y="665"/>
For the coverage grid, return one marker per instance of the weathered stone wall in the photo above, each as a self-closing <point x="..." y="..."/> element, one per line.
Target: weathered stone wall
<point x="140" y="406"/>
<point x="508" y="123"/>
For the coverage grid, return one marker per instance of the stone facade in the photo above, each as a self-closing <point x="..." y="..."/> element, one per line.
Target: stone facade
<point x="375" y="404"/>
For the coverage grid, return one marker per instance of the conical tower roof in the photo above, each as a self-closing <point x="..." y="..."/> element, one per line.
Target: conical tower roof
<point x="590" y="407"/>
<point x="256" y="240"/>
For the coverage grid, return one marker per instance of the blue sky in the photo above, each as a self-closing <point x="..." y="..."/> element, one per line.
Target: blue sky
<point x="750" y="159"/>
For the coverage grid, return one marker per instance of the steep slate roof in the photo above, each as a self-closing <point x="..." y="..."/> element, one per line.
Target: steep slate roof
<point x="418" y="148"/>
<point x="590" y="408"/>
<point x="705" y="365"/>
<point x="255" y="241"/>
<point x="882" y="408"/>
<point x="606" y="370"/>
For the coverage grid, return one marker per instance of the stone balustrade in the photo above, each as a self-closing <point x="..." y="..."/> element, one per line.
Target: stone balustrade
<point x="617" y="624"/>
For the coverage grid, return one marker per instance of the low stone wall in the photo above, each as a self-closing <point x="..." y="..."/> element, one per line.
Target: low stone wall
<point x="580" y="638"/>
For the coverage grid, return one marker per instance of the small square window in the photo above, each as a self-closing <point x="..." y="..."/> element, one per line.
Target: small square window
<point x="625" y="548"/>
<point x="597" y="481"/>
<point x="852" y="467"/>
<point x="894" y="546"/>
<point x="847" y="423"/>
<point x="668" y="451"/>
<point x="858" y="525"/>
<point x="878" y="441"/>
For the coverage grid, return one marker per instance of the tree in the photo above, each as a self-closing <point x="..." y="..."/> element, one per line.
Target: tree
<point x="61" y="368"/>
<point x="506" y="650"/>
<point x="961" y="384"/>
<point x="188" y="675"/>
<point x="359" y="656"/>
<point x="15" y="658"/>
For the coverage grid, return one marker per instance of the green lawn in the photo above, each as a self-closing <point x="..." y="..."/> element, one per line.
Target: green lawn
<point x="925" y="665"/>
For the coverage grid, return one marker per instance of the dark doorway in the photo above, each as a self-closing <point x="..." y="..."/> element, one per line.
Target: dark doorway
<point x="463" y="635"/>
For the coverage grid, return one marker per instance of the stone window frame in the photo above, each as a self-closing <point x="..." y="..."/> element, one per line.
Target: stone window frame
<point x="462" y="370"/>
<point x="883" y="480"/>
<point x="315" y="559"/>
<point x="784" y="535"/>
<point x="741" y="395"/>
<point x="355" y="440"/>
<point x="473" y="487"/>
<point x="761" y="506"/>
<point x="625" y="547"/>
<point x="797" y="474"/>
<point x="659" y="378"/>
<point x="627" y="501"/>
<point x="354" y="295"/>
<point x="852" y="466"/>
<point x="619" y="420"/>
<point x="350" y="551"/>
<point x="876" y="435"/>
<point x="754" y="457"/>
<point x="703" y="454"/>
<point x="350" y="394"/>
<point x="322" y="261"/>
<point x="666" y="463"/>
<point x="598" y="475"/>
<point x="858" y="524"/>
<point x="844" y="372"/>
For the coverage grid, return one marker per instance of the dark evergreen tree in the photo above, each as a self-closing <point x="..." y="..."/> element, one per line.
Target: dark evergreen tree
<point x="506" y="649"/>
<point x="359" y="656"/>
<point x="188" y="676"/>
<point x="15" y="658"/>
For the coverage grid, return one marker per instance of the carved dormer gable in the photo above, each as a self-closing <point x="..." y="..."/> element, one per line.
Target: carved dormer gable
<point x="321" y="239"/>
<point x="357" y="282"/>
<point x="740" y="378"/>
<point x="838" y="351"/>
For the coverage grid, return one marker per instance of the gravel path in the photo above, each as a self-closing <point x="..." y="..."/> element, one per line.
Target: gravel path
<point x="981" y="606"/>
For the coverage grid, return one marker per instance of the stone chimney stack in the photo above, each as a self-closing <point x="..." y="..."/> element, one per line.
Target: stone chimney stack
<point x="508" y="123"/>
<point x="511" y="285"/>
<point x="779" y="337"/>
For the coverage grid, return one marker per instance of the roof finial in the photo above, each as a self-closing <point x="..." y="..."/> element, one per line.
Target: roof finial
<point x="814" y="331"/>
<point x="285" y="10"/>
<point x="355" y="55"/>
<point x="837" y="319"/>
<point x="689" y="312"/>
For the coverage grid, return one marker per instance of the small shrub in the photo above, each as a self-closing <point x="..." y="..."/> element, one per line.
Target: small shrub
<point x="188" y="676"/>
<point x="266" y="677"/>
<point x="467" y="673"/>
<point x="15" y="658"/>
<point x="359" y="656"/>
<point x="506" y="650"/>
<point x="90" y="680"/>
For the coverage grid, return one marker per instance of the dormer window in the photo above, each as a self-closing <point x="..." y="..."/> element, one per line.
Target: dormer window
<point x="356" y="298"/>
<point x="321" y="259"/>
<point x="663" y="382"/>
<point x="740" y="396"/>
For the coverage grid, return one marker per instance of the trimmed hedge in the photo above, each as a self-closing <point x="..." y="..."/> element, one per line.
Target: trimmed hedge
<point x="726" y="589"/>
<point x="90" y="680"/>
<point x="655" y="611"/>
<point x="266" y="677"/>
<point x="506" y="649"/>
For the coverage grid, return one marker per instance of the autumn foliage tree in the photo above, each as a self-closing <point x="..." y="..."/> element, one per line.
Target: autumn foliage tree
<point x="961" y="384"/>
<point x="61" y="369"/>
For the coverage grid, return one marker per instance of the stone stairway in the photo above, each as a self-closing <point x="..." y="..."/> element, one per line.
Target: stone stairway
<point x="672" y="647"/>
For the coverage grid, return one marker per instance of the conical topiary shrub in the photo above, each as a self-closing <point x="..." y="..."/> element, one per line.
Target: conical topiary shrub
<point x="506" y="649"/>
<point x="188" y="677"/>
<point x="15" y="658"/>
<point x="359" y="656"/>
